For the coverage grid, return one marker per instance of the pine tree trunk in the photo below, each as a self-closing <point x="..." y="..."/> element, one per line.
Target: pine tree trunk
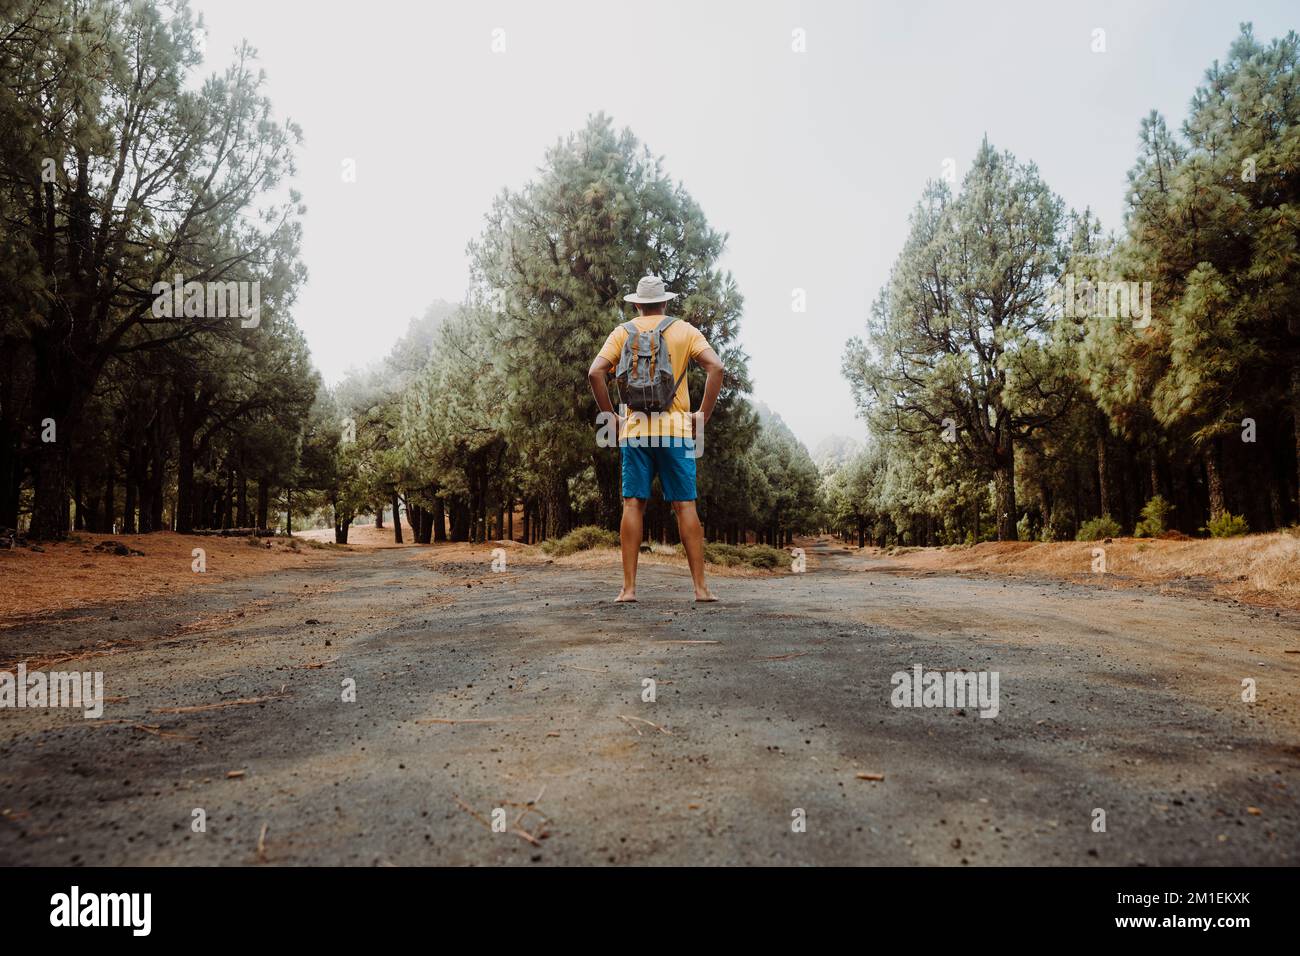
<point x="1295" y="417"/>
<point x="10" y="469"/>
<point x="263" y="503"/>
<point x="52" y="468"/>
<point x="1186" y="506"/>
<point x="227" y="505"/>
<point x="110" y="494"/>
<point x="1103" y="475"/>
<point x="241" y="502"/>
<point x="78" y="505"/>
<point x="1004" y="484"/>
<point x="1127" y="492"/>
<point x="1049" y="504"/>
<point x="438" y="518"/>
<point x="397" y="520"/>
<point x="557" y="508"/>
<point x="1214" y="478"/>
<point x="608" y="472"/>
<point x="461" y="518"/>
<point x="50" y="492"/>
<point x="132" y="492"/>
<point x="157" y="472"/>
<point x="185" y="483"/>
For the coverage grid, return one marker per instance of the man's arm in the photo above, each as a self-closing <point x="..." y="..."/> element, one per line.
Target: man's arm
<point x="712" y="365"/>
<point x="597" y="375"/>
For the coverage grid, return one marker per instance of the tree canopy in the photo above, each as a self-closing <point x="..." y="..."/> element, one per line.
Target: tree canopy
<point x="1021" y="366"/>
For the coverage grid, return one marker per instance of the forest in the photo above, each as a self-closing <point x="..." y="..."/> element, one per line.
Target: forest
<point x="116" y="175"/>
<point x="1026" y="376"/>
<point x="1022" y="373"/>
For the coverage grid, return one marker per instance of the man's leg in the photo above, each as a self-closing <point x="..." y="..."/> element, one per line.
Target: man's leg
<point x="638" y="471"/>
<point x="677" y="475"/>
<point x="630" y="532"/>
<point x="691" y="532"/>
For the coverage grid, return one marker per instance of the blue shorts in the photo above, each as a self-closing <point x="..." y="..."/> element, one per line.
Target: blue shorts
<point x="670" y="460"/>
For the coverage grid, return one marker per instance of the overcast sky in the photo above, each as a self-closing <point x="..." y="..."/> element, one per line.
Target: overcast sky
<point x="810" y="161"/>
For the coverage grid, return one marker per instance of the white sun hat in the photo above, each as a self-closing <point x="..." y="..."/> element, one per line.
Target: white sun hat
<point x="650" y="289"/>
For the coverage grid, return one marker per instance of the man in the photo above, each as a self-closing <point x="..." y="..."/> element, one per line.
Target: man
<point x="660" y="445"/>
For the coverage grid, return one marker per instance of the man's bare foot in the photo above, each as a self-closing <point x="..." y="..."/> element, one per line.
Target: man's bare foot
<point x="704" y="595"/>
<point x="625" y="597"/>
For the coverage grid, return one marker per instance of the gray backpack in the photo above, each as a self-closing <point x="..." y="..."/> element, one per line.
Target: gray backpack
<point x="645" y="369"/>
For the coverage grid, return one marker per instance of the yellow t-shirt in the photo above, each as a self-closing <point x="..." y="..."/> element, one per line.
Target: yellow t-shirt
<point x="685" y="343"/>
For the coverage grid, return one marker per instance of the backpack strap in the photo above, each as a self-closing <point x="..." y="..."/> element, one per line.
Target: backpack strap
<point x="629" y="344"/>
<point x="678" y="384"/>
<point x="660" y="329"/>
<point x="663" y="327"/>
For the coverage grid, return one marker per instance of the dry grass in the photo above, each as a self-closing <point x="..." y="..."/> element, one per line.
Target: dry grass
<point x="661" y="556"/>
<point x="72" y="574"/>
<point x="367" y="536"/>
<point x="463" y="554"/>
<point x="1258" y="569"/>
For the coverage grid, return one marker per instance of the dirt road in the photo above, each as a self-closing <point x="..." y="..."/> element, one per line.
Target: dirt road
<point x="766" y="708"/>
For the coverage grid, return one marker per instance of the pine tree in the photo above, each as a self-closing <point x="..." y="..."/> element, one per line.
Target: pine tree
<point x="957" y="340"/>
<point x="553" y="264"/>
<point x="1214" y="220"/>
